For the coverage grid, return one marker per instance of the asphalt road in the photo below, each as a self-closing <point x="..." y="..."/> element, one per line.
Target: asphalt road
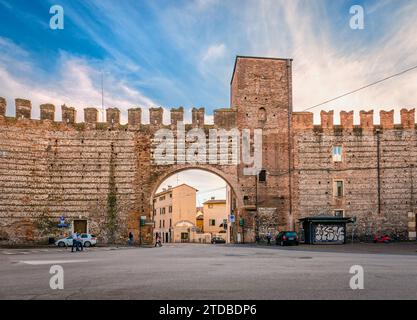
<point x="194" y="272"/>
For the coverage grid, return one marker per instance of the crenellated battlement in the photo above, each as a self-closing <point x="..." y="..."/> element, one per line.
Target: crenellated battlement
<point x="223" y="118"/>
<point x="305" y="120"/>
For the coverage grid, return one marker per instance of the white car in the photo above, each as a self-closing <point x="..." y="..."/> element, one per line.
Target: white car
<point x="87" y="239"/>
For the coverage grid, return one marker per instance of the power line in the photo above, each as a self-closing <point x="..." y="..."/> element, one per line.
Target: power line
<point x="211" y="190"/>
<point x="362" y="88"/>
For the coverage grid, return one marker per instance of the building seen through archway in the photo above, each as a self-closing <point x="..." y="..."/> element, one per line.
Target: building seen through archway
<point x="193" y="206"/>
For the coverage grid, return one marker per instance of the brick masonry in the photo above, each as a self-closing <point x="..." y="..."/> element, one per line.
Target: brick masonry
<point x="50" y="168"/>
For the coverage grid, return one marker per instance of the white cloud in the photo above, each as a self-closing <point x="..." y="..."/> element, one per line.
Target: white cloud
<point x="76" y="82"/>
<point x="325" y="67"/>
<point x="214" y="52"/>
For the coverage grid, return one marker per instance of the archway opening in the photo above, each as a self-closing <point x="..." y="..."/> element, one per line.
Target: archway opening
<point x="193" y="206"/>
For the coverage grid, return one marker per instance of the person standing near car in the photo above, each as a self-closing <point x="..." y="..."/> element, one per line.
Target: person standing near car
<point x="79" y="242"/>
<point x="74" y="237"/>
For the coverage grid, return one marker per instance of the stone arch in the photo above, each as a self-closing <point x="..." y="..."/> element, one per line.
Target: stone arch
<point x="229" y="177"/>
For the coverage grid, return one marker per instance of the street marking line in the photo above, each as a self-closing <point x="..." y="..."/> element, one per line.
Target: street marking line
<point x="43" y="262"/>
<point x="5" y="252"/>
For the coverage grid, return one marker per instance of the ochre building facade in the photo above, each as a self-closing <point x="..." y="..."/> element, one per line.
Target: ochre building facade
<point x="105" y="173"/>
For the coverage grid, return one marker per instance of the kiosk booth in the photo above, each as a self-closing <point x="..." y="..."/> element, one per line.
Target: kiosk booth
<point x="325" y="230"/>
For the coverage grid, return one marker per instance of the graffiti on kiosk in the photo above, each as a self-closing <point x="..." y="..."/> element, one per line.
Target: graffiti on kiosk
<point x="330" y="233"/>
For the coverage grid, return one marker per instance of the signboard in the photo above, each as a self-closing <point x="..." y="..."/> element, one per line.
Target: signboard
<point x="62" y="223"/>
<point x="142" y="220"/>
<point x="232" y="218"/>
<point x="241" y="222"/>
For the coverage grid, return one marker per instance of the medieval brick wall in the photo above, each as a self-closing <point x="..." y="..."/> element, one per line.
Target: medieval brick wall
<point x="50" y="170"/>
<point x="377" y="168"/>
<point x="105" y="173"/>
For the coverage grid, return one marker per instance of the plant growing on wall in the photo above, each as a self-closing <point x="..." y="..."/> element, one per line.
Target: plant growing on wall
<point x="112" y="200"/>
<point x="45" y="225"/>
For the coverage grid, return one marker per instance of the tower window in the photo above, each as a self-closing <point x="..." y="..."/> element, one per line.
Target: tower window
<point x="337" y="153"/>
<point x="338" y="188"/>
<point x="262" y="176"/>
<point x="262" y="115"/>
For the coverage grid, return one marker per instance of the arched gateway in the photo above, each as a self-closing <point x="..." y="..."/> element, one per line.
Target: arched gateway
<point x="102" y="176"/>
<point x="261" y="104"/>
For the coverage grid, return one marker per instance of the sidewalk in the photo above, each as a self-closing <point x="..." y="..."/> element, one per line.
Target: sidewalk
<point x="399" y="248"/>
<point x="52" y="246"/>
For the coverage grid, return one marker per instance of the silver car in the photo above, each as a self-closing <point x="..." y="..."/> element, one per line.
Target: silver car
<point x="87" y="239"/>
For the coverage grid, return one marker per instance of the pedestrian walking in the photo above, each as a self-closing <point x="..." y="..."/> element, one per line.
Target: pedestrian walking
<point x="74" y="237"/>
<point x="158" y="240"/>
<point x="268" y="238"/>
<point x="80" y="243"/>
<point x="130" y="241"/>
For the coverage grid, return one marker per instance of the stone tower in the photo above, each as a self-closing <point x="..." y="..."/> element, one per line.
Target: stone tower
<point x="261" y="95"/>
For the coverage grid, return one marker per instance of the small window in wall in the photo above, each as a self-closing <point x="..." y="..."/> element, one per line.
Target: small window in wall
<point x="337" y="153"/>
<point x="338" y="188"/>
<point x="245" y="200"/>
<point x="170" y="209"/>
<point x="262" y="176"/>
<point x="212" y="222"/>
<point x="262" y="115"/>
<point x="163" y="223"/>
<point x="339" y="213"/>
<point x="210" y="206"/>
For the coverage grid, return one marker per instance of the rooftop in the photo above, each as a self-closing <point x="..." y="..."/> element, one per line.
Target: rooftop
<point x="215" y="202"/>
<point x="169" y="189"/>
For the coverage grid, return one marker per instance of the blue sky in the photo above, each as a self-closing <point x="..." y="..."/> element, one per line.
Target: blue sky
<point x="181" y="53"/>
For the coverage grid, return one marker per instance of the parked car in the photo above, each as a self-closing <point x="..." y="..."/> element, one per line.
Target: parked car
<point x="87" y="239"/>
<point x="287" y="238"/>
<point x="382" y="239"/>
<point x="215" y="240"/>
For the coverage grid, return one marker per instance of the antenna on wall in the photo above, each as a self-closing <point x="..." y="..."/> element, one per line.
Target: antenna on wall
<point x="102" y="96"/>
